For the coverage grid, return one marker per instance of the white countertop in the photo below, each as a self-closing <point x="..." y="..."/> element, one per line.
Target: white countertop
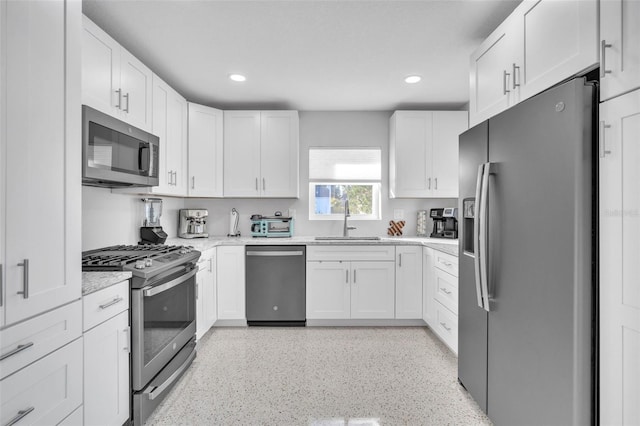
<point x="202" y="244"/>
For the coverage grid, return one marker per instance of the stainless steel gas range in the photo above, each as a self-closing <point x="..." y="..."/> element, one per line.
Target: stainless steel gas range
<point x="163" y="315"/>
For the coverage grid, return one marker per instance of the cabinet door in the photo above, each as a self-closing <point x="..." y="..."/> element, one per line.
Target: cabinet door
<point x="200" y="322"/>
<point x="447" y="126"/>
<point x="205" y="151"/>
<point x="328" y="290"/>
<point x="428" y="308"/>
<point x="619" y="28"/>
<point x="241" y="153"/>
<point x="619" y="266"/>
<point x="559" y="40"/>
<point x="136" y="86"/>
<point x="492" y="66"/>
<point x="279" y="153"/>
<point x="230" y="276"/>
<point x="106" y="372"/>
<point x="42" y="156"/>
<point x="46" y="391"/>
<point x="410" y="154"/>
<point x="209" y="292"/>
<point x="446" y="289"/>
<point x="177" y="142"/>
<point x="100" y="69"/>
<point x="160" y="122"/>
<point x="409" y="282"/>
<point x="372" y="290"/>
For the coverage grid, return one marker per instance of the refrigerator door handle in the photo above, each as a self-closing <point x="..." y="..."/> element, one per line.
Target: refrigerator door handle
<point x="484" y="264"/>
<point x="476" y="236"/>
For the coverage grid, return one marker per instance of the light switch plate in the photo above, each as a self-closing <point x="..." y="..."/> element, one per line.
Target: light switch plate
<point x="398" y="214"/>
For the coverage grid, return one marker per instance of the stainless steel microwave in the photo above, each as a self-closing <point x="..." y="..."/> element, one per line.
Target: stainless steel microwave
<point x="116" y="154"/>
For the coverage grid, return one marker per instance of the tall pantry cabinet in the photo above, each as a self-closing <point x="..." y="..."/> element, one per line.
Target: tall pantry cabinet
<point x="40" y="191"/>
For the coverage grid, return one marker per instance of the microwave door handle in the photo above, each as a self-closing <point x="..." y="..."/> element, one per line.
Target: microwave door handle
<point x="144" y="160"/>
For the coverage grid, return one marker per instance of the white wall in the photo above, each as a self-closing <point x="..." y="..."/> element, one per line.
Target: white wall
<point x="109" y="219"/>
<point x="328" y="129"/>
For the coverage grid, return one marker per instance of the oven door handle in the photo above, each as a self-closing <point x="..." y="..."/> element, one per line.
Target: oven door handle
<point x="152" y="291"/>
<point x="176" y="374"/>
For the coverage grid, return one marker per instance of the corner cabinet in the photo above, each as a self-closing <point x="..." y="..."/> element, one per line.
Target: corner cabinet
<point x="113" y="80"/>
<point x="619" y="44"/>
<point x="40" y="118"/>
<point x="261" y="150"/>
<point x="205" y="151"/>
<point x="423" y="153"/>
<point x="542" y="43"/>
<point x="619" y="253"/>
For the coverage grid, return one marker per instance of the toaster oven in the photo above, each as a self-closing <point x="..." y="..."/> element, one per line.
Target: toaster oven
<point x="272" y="227"/>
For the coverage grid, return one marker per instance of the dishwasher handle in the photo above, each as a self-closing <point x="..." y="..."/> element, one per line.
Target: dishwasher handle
<point x="275" y="253"/>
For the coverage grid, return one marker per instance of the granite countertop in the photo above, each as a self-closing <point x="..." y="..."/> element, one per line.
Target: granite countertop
<point x="95" y="281"/>
<point x="202" y="244"/>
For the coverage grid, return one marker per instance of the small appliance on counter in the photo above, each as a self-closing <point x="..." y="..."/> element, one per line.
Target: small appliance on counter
<point x="445" y="222"/>
<point x="193" y="223"/>
<point x="271" y="226"/>
<point x="234" y="220"/>
<point x="151" y="232"/>
<point x="421" y="227"/>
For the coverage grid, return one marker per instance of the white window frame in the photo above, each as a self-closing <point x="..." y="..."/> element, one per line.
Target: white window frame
<point x="375" y="202"/>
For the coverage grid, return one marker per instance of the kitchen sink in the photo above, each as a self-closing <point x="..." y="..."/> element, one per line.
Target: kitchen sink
<point x="347" y="238"/>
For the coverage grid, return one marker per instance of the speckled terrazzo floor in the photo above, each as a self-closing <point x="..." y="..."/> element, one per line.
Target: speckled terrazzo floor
<point x="320" y="376"/>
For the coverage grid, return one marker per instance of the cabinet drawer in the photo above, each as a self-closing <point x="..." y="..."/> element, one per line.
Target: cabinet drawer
<point x="446" y="290"/>
<point x="446" y="326"/>
<point x="33" y="339"/>
<point x="47" y="391"/>
<point x="104" y="304"/>
<point x="446" y="262"/>
<point x="347" y="253"/>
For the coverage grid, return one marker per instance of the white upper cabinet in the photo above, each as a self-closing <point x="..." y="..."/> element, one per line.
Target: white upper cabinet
<point x="205" y="151"/>
<point x="542" y="43"/>
<point x="261" y="154"/>
<point x="41" y="156"/>
<point x="620" y="47"/>
<point x="423" y="153"/>
<point x="113" y="80"/>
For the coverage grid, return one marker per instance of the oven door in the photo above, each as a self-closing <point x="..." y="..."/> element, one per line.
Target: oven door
<point x="163" y="320"/>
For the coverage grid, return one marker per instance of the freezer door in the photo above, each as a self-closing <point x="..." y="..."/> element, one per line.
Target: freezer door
<point x="540" y="260"/>
<point x="472" y="319"/>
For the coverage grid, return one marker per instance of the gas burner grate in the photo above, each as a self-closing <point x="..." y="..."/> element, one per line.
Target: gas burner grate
<point x="115" y="257"/>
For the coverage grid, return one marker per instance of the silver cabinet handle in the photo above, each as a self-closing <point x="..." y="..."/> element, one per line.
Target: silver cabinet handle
<point x="603" y="67"/>
<point x="127" y="98"/>
<point x="1" y="285"/>
<point x="601" y="143"/>
<point x="476" y="235"/>
<point x="354" y="276"/>
<point x="515" y="67"/>
<point x="505" y="76"/>
<point x="264" y="185"/>
<point x="18" y="349"/>
<point x="256" y="184"/>
<point x="25" y="279"/>
<point x="429" y="183"/>
<point x="21" y="414"/>
<point x="113" y="302"/>
<point x="445" y="291"/>
<point x="444" y="324"/>
<point x="170" y="177"/>
<point x="400" y="260"/>
<point x="175" y="178"/>
<point x="127" y="339"/>
<point x="119" y="92"/>
<point x="193" y="182"/>
<point x="436" y="183"/>
<point x="444" y="262"/>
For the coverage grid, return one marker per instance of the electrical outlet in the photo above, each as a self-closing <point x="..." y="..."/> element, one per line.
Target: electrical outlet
<point x="398" y="214"/>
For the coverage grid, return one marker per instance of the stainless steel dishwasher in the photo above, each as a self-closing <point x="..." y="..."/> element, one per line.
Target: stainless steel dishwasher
<point x="276" y="285"/>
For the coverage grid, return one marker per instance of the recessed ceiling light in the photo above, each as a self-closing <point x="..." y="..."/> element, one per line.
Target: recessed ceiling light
<point x="237" y="77"/>
<point x="412" y="79"/>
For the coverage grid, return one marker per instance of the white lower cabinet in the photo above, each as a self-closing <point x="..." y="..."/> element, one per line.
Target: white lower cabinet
<point x="328" y="290"/>
<point x="372" y="290"/>
<point x="206" y="308"/>
<point x="45" y="392"/>
<point x="230" y="280"/>
<point x="428" y="307"/>
<point x="408" y="291"/>
<point x="440" y="301"/>
<point x="107" y="345"/>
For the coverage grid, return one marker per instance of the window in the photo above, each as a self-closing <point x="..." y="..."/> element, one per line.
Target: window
<point x="337" y="175"/>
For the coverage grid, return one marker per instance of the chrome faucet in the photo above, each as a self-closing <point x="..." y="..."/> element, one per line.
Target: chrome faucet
<point x="346" y="228"/>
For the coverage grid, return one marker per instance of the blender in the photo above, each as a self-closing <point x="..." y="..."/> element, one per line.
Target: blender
<point x="151" y="232"/>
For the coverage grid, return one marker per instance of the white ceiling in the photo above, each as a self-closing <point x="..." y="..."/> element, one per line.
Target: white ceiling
<point x="307" y="54"/>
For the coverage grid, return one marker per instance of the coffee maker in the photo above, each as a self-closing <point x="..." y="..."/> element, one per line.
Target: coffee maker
<point x="151" y="232"/>
<point x="193" y="223"/>
<point x="445" y="222"/>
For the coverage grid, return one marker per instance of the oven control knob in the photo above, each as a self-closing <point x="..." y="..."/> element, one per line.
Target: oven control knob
<point x="139" y="264"/>
<point x="148" y="262"/>
<point x="183" y="251"/>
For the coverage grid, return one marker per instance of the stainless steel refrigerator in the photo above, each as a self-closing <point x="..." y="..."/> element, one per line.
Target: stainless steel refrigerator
<point x="527" y="260"/>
